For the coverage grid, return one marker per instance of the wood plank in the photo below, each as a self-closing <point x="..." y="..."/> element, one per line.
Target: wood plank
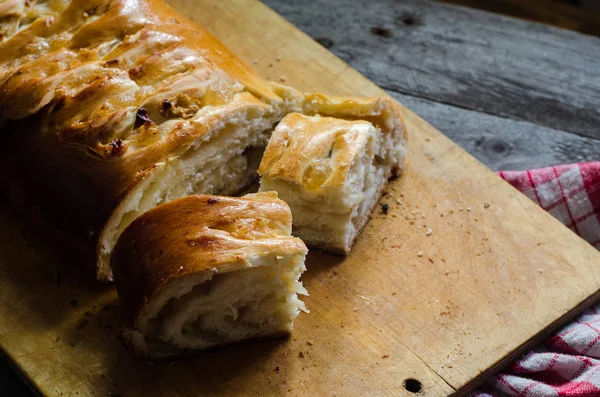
<point x="489" y="279"/>
<point x="463" y="57"/>
<point x="551" y="12"/>
<point x="501" y="143"/>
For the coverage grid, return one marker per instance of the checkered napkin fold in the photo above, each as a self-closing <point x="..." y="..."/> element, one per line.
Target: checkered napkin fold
<point x="568" y="363"/>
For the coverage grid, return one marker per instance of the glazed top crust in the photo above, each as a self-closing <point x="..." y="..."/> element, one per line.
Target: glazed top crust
<point x="94" y="64"/>
<point x="198" y="234"/>
<point x="314" y="151"/>
<point x="317" y="149"/>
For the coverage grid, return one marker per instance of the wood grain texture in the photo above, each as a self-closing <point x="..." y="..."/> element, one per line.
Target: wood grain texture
<point x="551" y="12"/>
<point x="444" y="309"/>
<point x="463" y="57"/>
<point x="501" y="143"/>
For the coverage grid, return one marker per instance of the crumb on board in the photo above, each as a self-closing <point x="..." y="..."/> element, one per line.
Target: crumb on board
<point x="283" y="79"/>
<point x="430" y="259"/>
<point x="385" y="208"/>
<point x="486" y="206"/>
<point x="429" y="232"/>
<point x="301" y="355"/>
<point x="310" y="342"/>
<point x="83" y="322"/>
<point x="385" y="356"/>
<point x="420" y="254"/>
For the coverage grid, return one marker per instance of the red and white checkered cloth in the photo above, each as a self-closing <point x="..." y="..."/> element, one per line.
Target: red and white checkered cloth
<point x="568" y="363"/>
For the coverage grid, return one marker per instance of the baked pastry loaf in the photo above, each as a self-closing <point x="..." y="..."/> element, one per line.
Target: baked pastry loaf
<point x="332" y="170"/>
<point x="112" y="107"/>
<point x="206" y="271"/>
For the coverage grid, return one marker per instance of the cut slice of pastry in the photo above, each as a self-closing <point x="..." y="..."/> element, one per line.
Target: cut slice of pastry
<point x="119" y="106"/>
<point x="207" y="271"/>
<point x="332" y="170"/>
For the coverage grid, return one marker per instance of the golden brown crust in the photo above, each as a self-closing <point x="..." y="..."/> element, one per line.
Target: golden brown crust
<point x="102" y="44"/>
<point x="347" y="106"/>
<point x="114" y="104"/>
<point x="96" y="93"/>
<point x="315" y="151"/>
<point x="383" y="112"/>
<point x="195" y="234"/>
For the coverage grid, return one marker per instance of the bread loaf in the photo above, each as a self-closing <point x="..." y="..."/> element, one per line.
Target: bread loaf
<point x="112" y="107"/>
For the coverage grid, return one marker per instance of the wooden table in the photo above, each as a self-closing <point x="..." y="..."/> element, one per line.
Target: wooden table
<point x="514" y="94"/>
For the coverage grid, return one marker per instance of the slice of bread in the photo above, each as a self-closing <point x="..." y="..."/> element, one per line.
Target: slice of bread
<point x="332" y="170"/>
<point x="207" y="271"/>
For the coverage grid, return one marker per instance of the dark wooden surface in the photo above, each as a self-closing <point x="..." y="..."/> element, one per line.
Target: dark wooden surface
<point x="501" y="143"/>
<point x="580" y="15"/>
<point x="513" y="93"/>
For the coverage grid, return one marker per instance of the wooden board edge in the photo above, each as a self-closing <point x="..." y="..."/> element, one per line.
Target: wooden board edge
<point x="21" y="374"/>
<point x="536" y="340"/>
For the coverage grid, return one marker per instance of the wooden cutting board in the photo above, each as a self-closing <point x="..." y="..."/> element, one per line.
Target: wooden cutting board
<point x="443" y="310"/>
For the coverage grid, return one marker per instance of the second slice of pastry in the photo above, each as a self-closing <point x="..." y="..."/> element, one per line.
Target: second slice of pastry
<point x="332" y="170"/>
<point x="206" y="271"/>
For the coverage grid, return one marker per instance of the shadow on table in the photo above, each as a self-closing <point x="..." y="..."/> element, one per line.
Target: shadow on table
<point x="12" y="382"/>
<point x="219" y="372"/>
<point x="43" y="279"/>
